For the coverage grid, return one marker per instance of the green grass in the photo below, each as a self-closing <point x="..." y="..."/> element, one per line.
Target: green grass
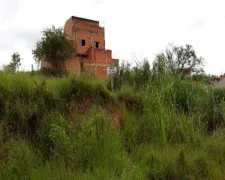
<point x="171" y="129"/>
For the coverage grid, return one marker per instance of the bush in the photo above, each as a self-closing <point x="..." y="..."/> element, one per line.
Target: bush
<point x="51" y="72"/>
<point x="171" y="129"/>
<point x="22" y="160"/>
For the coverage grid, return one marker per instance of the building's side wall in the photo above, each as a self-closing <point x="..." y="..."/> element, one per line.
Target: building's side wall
<point x="98" y="69"/>
<point x="73" y="64"/>
<point x="90" y="29"/>
<point x="89" y="38"/>
<point x="69" y="29"/>
<point x="89" y="34"/>
<point x="115" y="62"/>
<point x="101" y="72"/>
<point x="220" y="84"/>
<point x="45" y="64"/>
<point x="100" y="61"/>
<point x="100" y="56"/>
<point x="87" y="21"/>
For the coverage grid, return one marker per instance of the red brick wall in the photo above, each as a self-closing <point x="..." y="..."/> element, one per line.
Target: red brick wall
<point x="90" y="55"/>
<point x="88" y="28"/>
<point x="115" y="62"/>
<point x="89" y="68"/>
<point x="45" y="64"/>
<point x="109" y="54"/>
<point x="73" y="64"/>
<point x="68" y="28"/>
<point x="101" y="72"/>
<point x="86" y="21"/>
<point x="90" y="38"/>
<point x="99" y="55"/>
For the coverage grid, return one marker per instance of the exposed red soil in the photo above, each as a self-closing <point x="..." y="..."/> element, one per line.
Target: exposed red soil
<point x="114" y="109"/>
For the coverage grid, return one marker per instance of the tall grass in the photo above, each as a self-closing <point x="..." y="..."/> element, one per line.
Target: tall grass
<point x="170" y="129"/>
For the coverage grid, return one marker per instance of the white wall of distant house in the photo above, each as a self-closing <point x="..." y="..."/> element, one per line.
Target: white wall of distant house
<point x="221" y="83"/>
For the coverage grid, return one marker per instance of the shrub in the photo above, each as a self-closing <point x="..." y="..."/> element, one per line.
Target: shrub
<point x="52" y="72"/>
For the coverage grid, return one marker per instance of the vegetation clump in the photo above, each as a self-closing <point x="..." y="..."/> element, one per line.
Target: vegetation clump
<point x="63" y="127"/>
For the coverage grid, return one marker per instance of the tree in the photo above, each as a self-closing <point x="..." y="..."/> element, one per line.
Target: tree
<point x="53" y="46"/>
<point x="203" y="78"/>
<point x="178" y="58"/>
<point x="14" y="64"/>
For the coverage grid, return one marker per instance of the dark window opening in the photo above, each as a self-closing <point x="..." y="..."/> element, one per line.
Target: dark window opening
<point x="81" y="55"/>
<point x="83" y="42"/>
<point x="97" y="44"/>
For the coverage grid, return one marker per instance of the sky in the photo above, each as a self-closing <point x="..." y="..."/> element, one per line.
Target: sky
<point x="134" y="29"/>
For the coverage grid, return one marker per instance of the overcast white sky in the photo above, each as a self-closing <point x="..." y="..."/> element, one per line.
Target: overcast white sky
<point x="134" y="28"/>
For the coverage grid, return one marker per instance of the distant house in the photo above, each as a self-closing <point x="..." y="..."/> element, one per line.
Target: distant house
<point x="219" y="81"/>
<point x="185" y="72"/>
<point x="89" y="43"/>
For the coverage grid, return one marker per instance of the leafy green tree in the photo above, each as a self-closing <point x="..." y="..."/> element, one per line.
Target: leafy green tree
<point x="16" y="61"/>
<point x="178" y="58"/>
<point x="53" y="46"/>
<point x="159" y="64"/>
<point x="138" y="76"/>
<point x="14" y="64"/>
<point x="204" y="78"/>
<point x="7" y="69"/>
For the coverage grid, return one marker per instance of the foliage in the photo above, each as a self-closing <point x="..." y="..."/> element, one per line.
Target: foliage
<point x="8" y="69"/>
<point x="138" y="76"/>
<point x="170" y="128"/>
<point x="179" y="58"/>
<point x="50" y="72"/>
<point x="206" y="79"/>
<point x="14" y="64"/>
<point x="53" y="46"/>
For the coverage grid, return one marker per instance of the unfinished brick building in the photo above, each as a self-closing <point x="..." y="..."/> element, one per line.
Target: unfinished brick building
<point x="89" y="43"/>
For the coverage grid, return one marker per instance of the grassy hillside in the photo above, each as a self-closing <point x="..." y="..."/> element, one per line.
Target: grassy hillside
<point x="154" y="126"/>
